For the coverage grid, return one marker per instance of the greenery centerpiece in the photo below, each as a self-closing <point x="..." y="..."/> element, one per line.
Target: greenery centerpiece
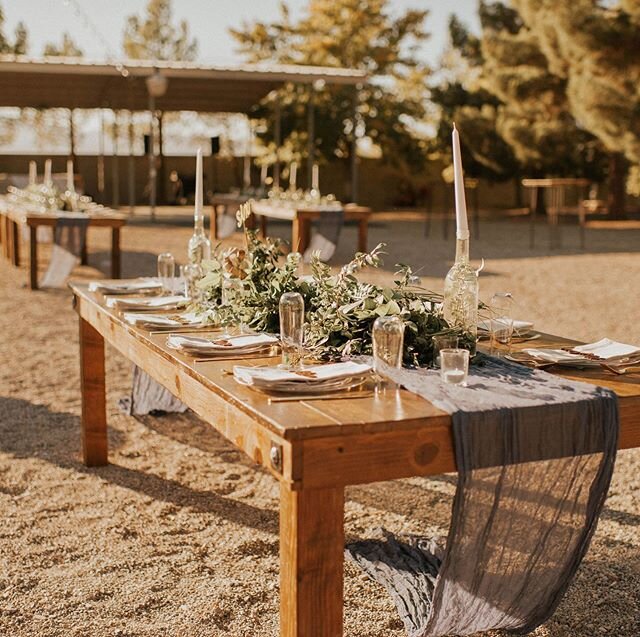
<point x="340" y="307"/>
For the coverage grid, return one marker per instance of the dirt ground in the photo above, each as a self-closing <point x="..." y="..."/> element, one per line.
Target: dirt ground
<point x="178" y="536"/>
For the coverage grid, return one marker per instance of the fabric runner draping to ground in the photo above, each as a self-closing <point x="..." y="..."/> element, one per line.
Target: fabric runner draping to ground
<point x="535" y="455"/>
<point x="69" y="239"/>
<point x="149" y="397"/>
<point x="325" y="239"/>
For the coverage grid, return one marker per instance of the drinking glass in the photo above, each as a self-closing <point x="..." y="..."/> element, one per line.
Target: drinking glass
<point x="387" y="338"/>
<point x="190" y="274"/>
<point x="291" y="329"/>
<point x="501" y="307"/>
<point x="167" y="271"/>
<point x="440" y="342"/>
<point x="454" y="366"/>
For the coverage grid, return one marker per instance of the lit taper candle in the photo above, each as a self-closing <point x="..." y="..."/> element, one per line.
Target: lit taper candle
<point x="462" y="227"/>
<point x="315" y="177"/>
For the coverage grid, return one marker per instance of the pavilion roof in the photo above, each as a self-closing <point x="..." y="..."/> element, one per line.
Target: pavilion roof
<point x="50" y="82"/>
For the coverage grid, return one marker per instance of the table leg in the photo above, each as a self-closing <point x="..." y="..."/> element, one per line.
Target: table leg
<point x="3" y="239"/>
<point x="92" y="385"/>
<point x="84" y="252"/>
<point x="15" y="229"/>
<point x="213" y="224"/>
<point x="363" y="231"/>
<point x="311" y="562"/>
<point x="115" y="253"/>
<point x="33" y="257"/>
<point x="263" y="226"/>
<point x="295" y="233"/>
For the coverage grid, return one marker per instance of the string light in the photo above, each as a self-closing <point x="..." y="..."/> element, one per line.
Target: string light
<point x="88" y="23"/>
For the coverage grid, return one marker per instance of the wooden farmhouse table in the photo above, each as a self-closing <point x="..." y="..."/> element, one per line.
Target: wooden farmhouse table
<point x="12" y="219"/>
<point x="301" y="219"/>
<point x="314" y="449"/>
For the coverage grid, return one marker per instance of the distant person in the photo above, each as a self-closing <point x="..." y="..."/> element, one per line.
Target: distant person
<point x="176" y="189"/>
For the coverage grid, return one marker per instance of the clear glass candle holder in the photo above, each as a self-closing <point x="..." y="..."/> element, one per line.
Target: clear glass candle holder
<point x="291" y="329"/>
<point x="387" y="339"/>
<point x="167" y="271"/>
<point x="440" y="342"/>
<point x="454" y="366"/>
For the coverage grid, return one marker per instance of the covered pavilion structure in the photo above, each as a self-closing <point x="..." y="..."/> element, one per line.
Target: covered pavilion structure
<point x="160" y="86"/>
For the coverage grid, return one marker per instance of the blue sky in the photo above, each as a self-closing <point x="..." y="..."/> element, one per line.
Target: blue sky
<point x="209" y="21"/>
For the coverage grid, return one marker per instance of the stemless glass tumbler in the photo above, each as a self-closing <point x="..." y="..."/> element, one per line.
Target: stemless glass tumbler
<point x="388" y="339"/>
<point x="291" y="329"/>
<point x="167" y="271"/>
<point x="501" y="306"/>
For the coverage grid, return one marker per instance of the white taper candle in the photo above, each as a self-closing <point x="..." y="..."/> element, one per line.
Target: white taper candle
<point x="47" y="172"/>
<point x="70" y="185"/>
<point x="462" y="226"/>
<point x="33" y="172"/>
<point x="315" y="177"/>
<point x="293" y="173"/>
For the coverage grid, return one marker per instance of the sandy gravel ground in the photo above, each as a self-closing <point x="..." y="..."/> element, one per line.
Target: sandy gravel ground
<point x="179" y="535"/>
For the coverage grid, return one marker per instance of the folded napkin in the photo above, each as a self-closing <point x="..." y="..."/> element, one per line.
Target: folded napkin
<point x="146" y="302"/>
<point x="187" y="319"/>
<point x="606" y="349"/>
<point x="222" y="344"/>
<point x="591" y="354"/>
<point x="518" y="326"/>
<point x="265" y="376"/>
<point x="125" y="286"/>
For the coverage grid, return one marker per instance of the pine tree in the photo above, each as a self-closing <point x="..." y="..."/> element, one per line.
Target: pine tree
<point x="20" y="44"/>
<point x="461" y="99"/>
<point x="534" y="116"/>
<point x="66" y="48"/>
<point x="593" y="47"/>
<point x="155" y="37"/>
<point x="350" y="34"/>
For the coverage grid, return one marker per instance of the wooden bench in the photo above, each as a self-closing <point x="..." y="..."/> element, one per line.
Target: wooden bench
<point x="313" y="449"/>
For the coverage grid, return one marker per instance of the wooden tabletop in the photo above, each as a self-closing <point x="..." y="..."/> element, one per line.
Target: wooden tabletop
<point x="104" y="217"/>
<point x="389" y="435"/>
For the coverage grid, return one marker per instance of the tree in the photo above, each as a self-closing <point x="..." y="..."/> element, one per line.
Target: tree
<point x="460" y="98"/>
<point x="155" y="37"/>
<point x="20" y="44"/>
<point x="592" y="47"/>
<point x="534" y="116"/>
<point x="67" y="48"/>
<point x="349" y="34"/>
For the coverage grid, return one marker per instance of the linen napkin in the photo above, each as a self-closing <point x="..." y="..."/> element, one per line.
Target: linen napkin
<point x="187" y="319"/>
<point x="221" y="344"/>
<point x="274" y="376"/>
<point x="125" y="286"/>
<point x="146" y="302"/>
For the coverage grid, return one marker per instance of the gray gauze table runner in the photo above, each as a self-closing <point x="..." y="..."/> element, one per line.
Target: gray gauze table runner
<point x="148" y="396"/>
<point x="535" y="454"/>
<point x="69" y="239"/>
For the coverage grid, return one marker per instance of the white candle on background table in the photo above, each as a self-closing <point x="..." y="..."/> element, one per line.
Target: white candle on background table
<point x="198" y="202"/>
<point x="47" y="172"/>
<point x="315" y="177"/>
<point x="70" y="186"/>
<point x="462" y="227"/>
<point x="263" y="174"/>
<point x="293" y="173"/>
<point x="33" y="172"/>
